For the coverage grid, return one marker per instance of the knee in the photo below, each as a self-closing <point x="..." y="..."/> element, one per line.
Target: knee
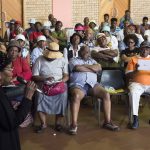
<point x="75" y="97"/>
<point x="106" y="96"/>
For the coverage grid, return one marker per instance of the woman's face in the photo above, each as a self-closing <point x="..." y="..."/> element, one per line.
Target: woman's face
<point x="6" y="75"/>
<point x="13" y="52"/>
<point x="46" y="32"/>
<point x="88" y="35"/>
<point x="76" y="40"/>
<point x="131" y="43"/>
<point x="21" y="42"/>
<point x="81" y="33"/>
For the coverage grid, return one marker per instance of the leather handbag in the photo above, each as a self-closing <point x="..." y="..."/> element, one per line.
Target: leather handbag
<point x="54" y="89"/>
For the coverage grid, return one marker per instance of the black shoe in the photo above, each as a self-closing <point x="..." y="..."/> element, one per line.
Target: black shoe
<point x="59" y="127"/>
<point x="135" y="123"/>
<point x="40" y="129"/>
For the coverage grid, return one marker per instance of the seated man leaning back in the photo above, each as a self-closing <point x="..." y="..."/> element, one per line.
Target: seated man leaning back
<point x="104" y="53"/>
<point x="83" y="81"/>
<point x="138" y="75"/>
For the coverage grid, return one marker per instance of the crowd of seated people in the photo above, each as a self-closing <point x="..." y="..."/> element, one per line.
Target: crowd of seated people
<point x="62" y="63"/>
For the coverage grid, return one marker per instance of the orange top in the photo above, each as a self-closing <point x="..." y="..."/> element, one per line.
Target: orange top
<point x="141" y="76"/>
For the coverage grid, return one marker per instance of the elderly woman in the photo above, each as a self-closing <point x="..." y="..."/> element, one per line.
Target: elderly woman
<point x="131" y="41"/>
<point x="11" y="119"/>
<point x="72" y="50"/>
<point x="20" y="65"/>
<point x="51" y="71"/>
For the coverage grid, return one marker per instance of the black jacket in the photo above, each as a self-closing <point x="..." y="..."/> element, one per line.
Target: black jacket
<point x="10" y="121"/>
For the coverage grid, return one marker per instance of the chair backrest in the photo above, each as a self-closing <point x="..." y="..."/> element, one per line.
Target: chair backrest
<point x="113" y="78"/>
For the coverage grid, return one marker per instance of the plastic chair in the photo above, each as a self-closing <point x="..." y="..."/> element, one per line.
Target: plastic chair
<point x="113" y="78"/>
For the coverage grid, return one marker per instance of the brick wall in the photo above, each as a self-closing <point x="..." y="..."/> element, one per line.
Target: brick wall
<point x="85" y="8"/>
<point x="139" y="9"/>
<point x="39" y="9"/>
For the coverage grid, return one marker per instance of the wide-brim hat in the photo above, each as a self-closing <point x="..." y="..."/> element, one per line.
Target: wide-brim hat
<point x="13" y="43"/>
<point x="52" y="51"/>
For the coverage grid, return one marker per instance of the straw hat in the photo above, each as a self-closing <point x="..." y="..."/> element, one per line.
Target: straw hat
<point x="52" y="51"/>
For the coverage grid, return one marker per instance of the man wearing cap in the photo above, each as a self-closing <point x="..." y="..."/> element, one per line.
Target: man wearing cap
<point x="31" y="28"/>
<point x="105" y="55"/>
<point x="38" y="51"/>
<point x="9" y="30"/>
<point x="138" y="74"/>
<point x="111" y="40"/>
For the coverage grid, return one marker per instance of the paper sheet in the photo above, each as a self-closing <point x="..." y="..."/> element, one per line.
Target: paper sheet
<point x="144" y="65"/>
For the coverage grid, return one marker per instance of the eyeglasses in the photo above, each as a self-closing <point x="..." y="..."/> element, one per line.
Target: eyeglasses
<point x="130" y="42"/>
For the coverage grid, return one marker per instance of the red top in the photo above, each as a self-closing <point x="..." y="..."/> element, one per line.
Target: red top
<point x="34" y="35"/>
<point x="21" y="68"/>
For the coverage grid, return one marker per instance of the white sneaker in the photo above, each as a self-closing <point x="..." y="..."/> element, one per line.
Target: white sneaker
<point x="73" y="130"/>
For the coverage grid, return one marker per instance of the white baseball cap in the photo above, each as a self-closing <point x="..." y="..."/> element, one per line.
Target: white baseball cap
<point x="41" y="38"/>
<point x="20" y="37"/>
<point x="47" y="24"/>
<point x="106" y="28"/>
<point x="32" y="20"/>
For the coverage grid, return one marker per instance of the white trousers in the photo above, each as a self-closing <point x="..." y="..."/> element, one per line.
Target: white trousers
<point x="136" y="90"/>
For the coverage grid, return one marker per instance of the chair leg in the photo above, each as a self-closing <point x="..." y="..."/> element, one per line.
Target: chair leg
<point x="130" y="113"/>
<point x="99" y="110"/>
<point x="68" y="114"/>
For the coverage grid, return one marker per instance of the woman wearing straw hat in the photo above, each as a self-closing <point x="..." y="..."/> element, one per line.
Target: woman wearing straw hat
<point x="50" y="69"/>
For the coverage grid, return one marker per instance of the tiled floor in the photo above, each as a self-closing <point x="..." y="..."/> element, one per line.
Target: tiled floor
<point x="90" y="136"/>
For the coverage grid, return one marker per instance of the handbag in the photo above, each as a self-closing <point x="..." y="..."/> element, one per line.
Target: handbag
<point x="54" y="89"/>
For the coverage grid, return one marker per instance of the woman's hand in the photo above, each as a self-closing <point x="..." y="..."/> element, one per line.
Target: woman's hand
<point x="49" y="78"/>
<point x="30" y="89"/>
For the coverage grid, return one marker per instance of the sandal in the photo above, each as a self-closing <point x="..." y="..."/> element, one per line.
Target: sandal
<point x="59" y="127"/>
